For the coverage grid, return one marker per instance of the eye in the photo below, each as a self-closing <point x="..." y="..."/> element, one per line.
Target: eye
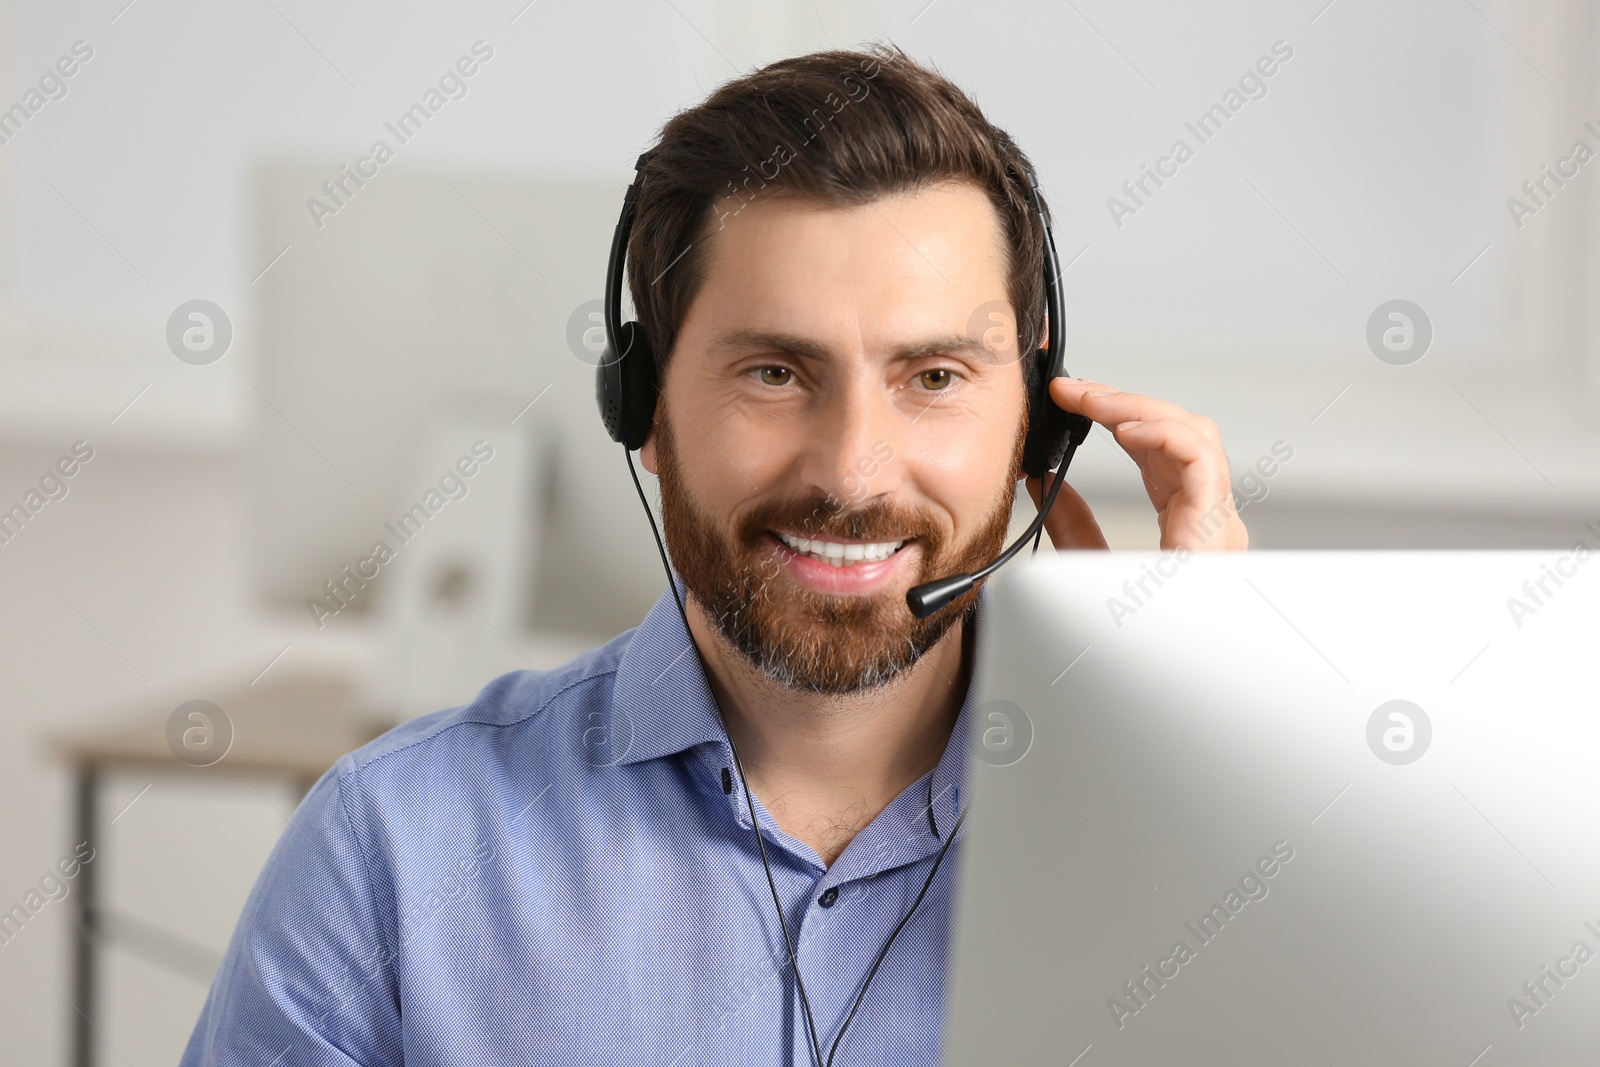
<point x="774" y="375"/>
<point x="936" y="380"/>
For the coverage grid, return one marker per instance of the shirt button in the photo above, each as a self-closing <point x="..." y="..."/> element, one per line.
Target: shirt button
<point x="829" y="897"/>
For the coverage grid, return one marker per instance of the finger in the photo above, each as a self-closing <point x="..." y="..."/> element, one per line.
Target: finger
<point x="1071" y="523"/>
<point x="1174" y="459"/>
<point x="1179" y="442"/>
<point x="1111" y="406"/>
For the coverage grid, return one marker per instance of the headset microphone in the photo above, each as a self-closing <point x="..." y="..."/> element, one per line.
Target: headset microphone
<point x="929" y="597"/>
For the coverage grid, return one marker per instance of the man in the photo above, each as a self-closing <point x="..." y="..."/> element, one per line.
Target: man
<point x="565" y="870"/>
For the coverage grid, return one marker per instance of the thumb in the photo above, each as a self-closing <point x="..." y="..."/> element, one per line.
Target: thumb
<point x="1071" y="524"/>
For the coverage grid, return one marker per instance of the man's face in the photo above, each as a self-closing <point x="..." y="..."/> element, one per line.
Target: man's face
<point x="827" y="386"/>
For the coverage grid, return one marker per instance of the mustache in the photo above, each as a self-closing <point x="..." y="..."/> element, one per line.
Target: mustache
<point x="820" y="515"/>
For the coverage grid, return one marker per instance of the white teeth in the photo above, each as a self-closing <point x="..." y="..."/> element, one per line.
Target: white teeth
<point x="841" y="555"/>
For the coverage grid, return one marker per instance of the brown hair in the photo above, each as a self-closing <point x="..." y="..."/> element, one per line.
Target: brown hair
<point x="839" y="127"/>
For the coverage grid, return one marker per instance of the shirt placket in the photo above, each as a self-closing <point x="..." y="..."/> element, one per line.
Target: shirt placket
<point x="834" y="959"/>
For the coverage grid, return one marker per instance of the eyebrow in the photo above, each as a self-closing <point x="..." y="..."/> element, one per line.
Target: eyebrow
<point x="806" y="348"/>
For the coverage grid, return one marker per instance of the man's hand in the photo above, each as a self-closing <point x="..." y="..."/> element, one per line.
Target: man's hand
<point x="1180" y="456"/>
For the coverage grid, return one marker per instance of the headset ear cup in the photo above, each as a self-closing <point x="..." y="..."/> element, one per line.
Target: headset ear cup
<point x="608" y="393"/>
<point x="625" y="387"/>
<point x="1046" y="441"/>
<point x="638" y="366"/>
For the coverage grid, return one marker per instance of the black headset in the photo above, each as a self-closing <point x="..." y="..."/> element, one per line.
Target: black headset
<point x="626" y="389"/>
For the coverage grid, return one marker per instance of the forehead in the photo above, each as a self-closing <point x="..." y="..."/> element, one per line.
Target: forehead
<point x="878" y="272"/>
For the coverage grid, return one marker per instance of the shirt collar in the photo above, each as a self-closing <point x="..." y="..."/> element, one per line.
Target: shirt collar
<point x="662" y="705"/>
<point x="660" y="696"/>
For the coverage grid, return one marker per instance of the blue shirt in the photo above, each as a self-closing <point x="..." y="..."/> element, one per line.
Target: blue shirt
<point x="555" y="874"/>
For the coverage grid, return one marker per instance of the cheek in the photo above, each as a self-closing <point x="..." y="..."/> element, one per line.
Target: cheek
<point x="961" y="473"/>
<point x="752" y="454"/>
<point x="730" y="464"/>
<point x="980" y="447"/>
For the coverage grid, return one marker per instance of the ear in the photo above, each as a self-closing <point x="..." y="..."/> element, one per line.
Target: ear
<point x="647" y="451"/>
<point x="656" y="383"/>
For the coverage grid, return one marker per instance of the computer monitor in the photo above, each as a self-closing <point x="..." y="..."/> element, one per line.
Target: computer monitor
<point x="1286" y="808"/>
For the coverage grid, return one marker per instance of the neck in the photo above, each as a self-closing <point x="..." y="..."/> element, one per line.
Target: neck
<point x="823" y="765"/>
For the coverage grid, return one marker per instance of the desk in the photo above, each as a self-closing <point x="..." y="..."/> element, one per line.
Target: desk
<point x="291" y="729"/>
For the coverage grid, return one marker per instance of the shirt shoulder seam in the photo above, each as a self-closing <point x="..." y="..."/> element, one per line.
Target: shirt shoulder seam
<point x="371" y="880"/>
<point x="356" y="766"/>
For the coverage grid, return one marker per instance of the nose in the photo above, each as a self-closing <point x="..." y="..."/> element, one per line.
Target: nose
<point x="853" y="455"/>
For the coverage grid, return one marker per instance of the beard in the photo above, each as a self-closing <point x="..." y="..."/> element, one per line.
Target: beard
<point x="799" y="638"/>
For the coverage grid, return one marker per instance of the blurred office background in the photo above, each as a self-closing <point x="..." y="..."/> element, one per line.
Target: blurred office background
<point x="373" y="346"/>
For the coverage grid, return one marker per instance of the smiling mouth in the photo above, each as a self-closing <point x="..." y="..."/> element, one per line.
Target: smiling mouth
<point x="840" y="553"/>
